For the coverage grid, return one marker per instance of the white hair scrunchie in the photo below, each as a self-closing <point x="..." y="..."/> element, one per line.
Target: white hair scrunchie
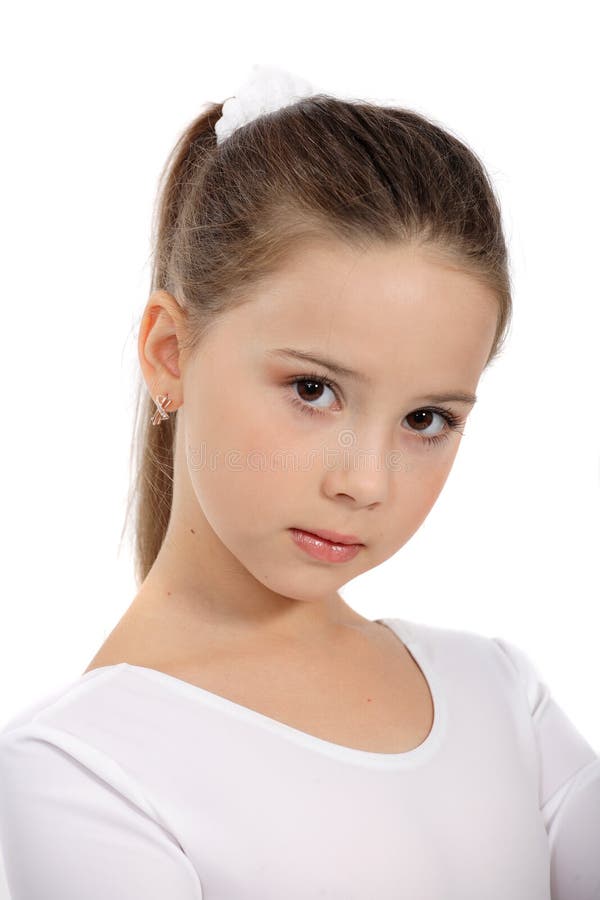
<point x="267" y="89"/>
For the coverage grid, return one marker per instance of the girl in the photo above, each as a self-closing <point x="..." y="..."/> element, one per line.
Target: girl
<point x="330" y="281"/>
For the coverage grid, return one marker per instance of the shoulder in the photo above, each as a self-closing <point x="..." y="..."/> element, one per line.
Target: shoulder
<point x="444" y="640"/>
<point x="43" y="704"/>
<point x="65" y="784"/>
<point x="66" y="707"/>
<point x="462" y="652"/>
<point x="523" y="668"/>
<point x="75" y="735"/>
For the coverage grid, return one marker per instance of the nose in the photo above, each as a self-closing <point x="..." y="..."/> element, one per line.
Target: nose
<point x="361" y="472"/>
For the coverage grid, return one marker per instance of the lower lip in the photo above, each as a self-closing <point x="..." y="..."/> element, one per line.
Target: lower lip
<point x="324" y="550"/>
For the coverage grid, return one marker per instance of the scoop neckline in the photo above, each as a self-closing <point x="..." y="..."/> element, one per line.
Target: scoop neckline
<point x="402" y="629"/>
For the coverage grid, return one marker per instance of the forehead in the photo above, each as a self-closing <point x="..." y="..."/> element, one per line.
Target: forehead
<point x="376" y="310"/>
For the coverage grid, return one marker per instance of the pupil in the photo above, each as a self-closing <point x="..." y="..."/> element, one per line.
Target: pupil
<point x="418" y="415"/>
<point x="313" y="384"/>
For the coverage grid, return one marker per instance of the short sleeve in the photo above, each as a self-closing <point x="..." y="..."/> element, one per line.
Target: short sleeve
<point x="75" y="826"/>
<point x="569" y="787"/>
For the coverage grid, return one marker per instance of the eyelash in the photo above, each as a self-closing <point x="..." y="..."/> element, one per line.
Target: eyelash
<point x="453" y="421"/>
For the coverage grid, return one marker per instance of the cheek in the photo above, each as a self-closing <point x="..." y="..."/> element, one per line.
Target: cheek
<point x="231" y="423"/>
<point x="413" y="493"/>
<point x="241" y="456"/>
<point x="423" y="485"/>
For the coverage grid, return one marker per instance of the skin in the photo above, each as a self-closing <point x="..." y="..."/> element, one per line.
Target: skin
<point x="401" y="315"/>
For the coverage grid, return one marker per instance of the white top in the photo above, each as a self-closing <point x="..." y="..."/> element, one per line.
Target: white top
<point x="129" y="783"/>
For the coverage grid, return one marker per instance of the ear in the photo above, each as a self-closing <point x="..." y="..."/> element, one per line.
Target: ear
<point x="161" y="330"/>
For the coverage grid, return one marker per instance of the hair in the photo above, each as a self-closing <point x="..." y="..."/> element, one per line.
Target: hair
<point x="227" y="215"/>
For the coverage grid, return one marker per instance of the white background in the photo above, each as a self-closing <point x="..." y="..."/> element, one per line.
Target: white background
<point x="94" y="99"/>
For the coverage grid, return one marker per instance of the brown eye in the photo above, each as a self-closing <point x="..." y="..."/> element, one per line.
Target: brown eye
<point x="311" y="390"/>
<point x="422" y="417"/>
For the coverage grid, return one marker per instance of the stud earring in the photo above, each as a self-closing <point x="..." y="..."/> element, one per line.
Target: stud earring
<point x="161" y="404"/>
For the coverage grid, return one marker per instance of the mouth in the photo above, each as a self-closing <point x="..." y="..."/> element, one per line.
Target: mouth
<point x="333" y="537"/>
<point x="322" y="548"/>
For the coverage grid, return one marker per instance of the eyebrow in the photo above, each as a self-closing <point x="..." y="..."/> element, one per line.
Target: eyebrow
<point x="345" y="372"/>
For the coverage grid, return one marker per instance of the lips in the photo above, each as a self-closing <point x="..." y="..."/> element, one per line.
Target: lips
<point x="323" y="549"/>
<point x="334" y="536"/>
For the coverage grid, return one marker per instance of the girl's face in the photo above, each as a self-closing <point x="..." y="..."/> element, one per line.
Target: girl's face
<point x="267" y="441"/>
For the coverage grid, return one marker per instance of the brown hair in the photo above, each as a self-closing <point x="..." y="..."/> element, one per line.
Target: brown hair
<point x="226" y="216"/>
